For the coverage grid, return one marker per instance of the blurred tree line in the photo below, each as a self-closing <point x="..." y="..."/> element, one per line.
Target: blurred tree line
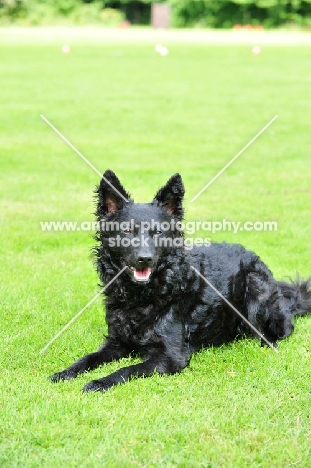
<point x="185" y="13"/>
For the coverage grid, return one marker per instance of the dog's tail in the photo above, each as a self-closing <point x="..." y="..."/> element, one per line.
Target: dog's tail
<point x="296" y="295"/>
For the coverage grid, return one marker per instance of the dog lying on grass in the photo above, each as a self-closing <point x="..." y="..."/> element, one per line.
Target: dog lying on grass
<point x="158" y="304"/>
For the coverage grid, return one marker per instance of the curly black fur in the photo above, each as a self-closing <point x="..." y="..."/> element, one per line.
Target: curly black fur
<point x="159" y="307"/>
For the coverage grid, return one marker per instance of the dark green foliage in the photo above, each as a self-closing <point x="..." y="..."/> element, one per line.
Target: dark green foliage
<point x="224" y="13"/>
<point x="37" y="12"/>
<point x="204" y="13"/>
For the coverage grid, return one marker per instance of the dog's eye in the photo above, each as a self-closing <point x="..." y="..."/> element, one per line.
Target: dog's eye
<point x="157" y="233"/>
<point x="127" y="231"/>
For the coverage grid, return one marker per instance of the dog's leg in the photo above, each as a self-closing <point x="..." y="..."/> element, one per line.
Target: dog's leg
<point x="163" y="364"/>
<point x="108" y="352"/>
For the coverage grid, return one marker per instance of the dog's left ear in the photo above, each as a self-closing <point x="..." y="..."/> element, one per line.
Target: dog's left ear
<point x="171" y="195"/>
<point x="111" y="195"/>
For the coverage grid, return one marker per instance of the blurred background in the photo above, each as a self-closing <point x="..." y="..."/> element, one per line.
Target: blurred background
<point x="177" y="13"/>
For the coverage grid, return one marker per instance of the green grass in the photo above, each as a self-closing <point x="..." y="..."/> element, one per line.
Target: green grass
<point x="147" y="117"/>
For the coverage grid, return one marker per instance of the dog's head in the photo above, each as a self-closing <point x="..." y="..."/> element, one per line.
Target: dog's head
<point x="137" y="235"/>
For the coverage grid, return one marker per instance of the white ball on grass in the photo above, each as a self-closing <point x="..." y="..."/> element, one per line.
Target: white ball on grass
<point x="164" y="51"/>
<point x="65" y="49"/>
<point x="256" y="50"/>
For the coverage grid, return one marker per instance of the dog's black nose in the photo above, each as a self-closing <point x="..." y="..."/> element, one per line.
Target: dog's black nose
<point x="144" y="260"/>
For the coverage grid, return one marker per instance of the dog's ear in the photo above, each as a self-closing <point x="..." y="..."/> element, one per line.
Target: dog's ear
<point x="111" y="196"/>
<point x="170" y="196"/>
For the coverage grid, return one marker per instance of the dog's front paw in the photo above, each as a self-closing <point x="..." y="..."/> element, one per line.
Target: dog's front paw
<point x="63" y="375"/>
<point x="95" y="386"/>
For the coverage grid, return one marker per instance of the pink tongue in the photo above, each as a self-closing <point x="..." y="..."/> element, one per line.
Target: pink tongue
<point x="142" y="274"/>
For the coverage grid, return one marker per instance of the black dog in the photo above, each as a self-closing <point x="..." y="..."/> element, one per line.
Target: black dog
<point x="157" y="304"/>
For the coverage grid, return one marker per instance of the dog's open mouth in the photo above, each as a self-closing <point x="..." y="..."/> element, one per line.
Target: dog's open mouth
<point x="141" y="274"/>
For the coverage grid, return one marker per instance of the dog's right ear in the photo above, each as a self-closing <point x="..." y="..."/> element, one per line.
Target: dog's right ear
<point x="170" y="196"/>
<point x="111" y="195"/>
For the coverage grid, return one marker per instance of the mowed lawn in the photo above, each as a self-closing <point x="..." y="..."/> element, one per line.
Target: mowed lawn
<point x="146" y="117"/>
